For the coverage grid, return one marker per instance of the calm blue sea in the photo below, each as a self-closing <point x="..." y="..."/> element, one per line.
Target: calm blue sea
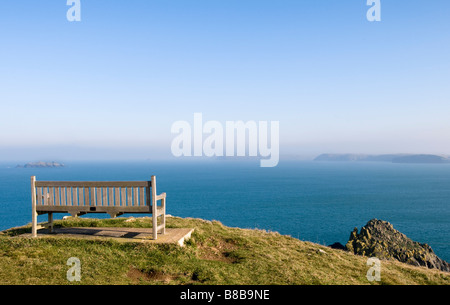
<point x="315" y="201"/>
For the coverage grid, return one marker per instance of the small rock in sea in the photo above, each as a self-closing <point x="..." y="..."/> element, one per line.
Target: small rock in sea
<point x="41" y="164"/>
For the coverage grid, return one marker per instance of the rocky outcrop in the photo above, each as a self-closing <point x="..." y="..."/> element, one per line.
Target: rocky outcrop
<point x="379" y="239"/>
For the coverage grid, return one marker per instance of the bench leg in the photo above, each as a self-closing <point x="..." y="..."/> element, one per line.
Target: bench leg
<point x="50" y="222"/>
<point x="155" y="226"/>
<point x="33" y="223"/>
<point x="33" y="208"/>
<point x="154" y="209"/>
<point x="163" y="216"/>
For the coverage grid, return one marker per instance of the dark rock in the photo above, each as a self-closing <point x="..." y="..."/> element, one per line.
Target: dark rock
<point x="379" y="239"/>
<point x="338" y="246"/>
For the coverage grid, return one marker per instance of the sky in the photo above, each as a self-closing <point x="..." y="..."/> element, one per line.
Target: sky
<point x="111" y="86"/>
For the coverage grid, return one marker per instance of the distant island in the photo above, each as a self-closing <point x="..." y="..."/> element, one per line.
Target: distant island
<point x="394" y="158"/>
<point x="41" y="164"/>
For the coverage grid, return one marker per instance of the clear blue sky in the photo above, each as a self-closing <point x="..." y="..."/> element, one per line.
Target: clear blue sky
<point x="111" y="85"/>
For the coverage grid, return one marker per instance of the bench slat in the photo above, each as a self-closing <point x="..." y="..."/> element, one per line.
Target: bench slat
<point x="135" y="196"/>
<point x="75" y="196"/>
<point x="69" y="196"/>
<point x="116" y="197"/>
<point x="93" y="183"/>
<point x="111" y="197"/>
<point x="142" y="196"/>
<point x="66" y="209"/>
<point x="86" y="196"/>
<point x="93" y="196"/>
<point x="147" y="195"/>
<point x="51" y="199"/>
<point x="45" y="196"/>
<point x="81" y="196"/>
<point x="123" y="198"/>
<point x="98" y="193"/>
<point x="57" y="196"/>
<point x="39" y="196"/>
<point x="129" y="201"/>
<point x="63" y="196"/>
<point x="105" y="196"/>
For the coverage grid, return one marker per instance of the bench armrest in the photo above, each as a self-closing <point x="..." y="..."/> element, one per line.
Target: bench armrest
<point x="162" y="196"/>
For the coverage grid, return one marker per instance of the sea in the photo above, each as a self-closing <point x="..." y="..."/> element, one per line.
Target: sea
<point x="321" y="202"/>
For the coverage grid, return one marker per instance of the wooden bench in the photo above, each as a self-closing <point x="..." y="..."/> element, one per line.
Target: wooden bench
<point x="79" y="198"/>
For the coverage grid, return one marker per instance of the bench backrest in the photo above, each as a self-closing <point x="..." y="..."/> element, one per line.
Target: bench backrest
<point x="95" y="193"/>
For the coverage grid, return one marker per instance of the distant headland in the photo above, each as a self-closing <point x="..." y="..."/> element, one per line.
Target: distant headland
<point x="41" y="164"/>
<point x="394" y="158"/>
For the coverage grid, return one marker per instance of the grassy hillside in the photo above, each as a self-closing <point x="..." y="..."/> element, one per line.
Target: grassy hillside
<point x="215" y="255"/>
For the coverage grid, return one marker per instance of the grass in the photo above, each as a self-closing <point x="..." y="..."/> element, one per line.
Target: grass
<point x="215" y="255"/>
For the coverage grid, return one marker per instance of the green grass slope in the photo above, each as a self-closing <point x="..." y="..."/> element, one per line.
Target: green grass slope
<point x="215" y="255"/>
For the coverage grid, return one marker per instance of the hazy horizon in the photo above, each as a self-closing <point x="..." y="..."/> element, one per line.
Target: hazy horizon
<point x="103" y="154"/>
